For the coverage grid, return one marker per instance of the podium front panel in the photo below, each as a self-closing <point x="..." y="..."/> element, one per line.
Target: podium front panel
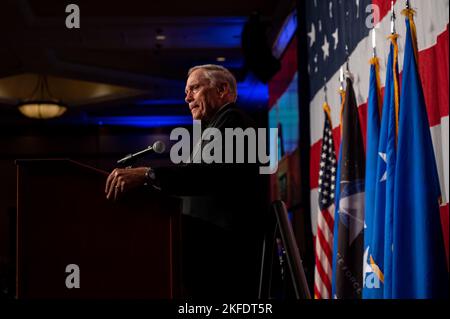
<point x="123" y="249"/>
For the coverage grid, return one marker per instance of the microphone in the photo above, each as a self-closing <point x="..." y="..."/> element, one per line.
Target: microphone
<point x="157" y="147"/>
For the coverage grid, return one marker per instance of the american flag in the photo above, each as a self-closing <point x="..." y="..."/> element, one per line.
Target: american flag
<point x="337" y="30"/>
<point x="325" y="217"/>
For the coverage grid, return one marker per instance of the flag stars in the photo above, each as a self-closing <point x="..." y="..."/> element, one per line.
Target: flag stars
<point x="325" y="48"/>
<point x="357" y="9"/>
<point x="327" y="168"/>
<point x="335" y="36"/>
<point x="312" y="35"/>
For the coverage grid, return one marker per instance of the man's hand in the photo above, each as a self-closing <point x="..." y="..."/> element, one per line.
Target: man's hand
<point x="122" y="180"/>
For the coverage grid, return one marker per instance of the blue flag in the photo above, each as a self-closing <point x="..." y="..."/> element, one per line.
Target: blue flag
<point x="336" y="219"/>
<point x="371" y="284"/>
<point x="418" y="259"/>
<point x="378" y="257"/>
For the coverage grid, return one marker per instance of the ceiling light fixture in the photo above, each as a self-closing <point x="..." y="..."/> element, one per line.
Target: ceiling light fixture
<point x="220" y="59"/>
<point x="41" y="104"/>
<point x="159" y="35"/>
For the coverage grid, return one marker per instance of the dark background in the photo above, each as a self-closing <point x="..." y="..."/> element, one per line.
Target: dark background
<point x="116" y="45"/>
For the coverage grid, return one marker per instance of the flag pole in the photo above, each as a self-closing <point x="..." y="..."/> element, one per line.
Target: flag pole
<point x="348" y="74"/>
<point x="374" y="43"/>
<point x="347" y="58"/>
<point x="393" y="17"/>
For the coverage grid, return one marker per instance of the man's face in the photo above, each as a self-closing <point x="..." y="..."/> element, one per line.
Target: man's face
<point x="203" y="100"/>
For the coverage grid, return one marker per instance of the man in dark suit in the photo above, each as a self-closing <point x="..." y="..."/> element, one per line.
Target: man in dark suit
<point x="224" y="203"/>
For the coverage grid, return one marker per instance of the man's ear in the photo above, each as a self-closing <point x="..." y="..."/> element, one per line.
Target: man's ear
<point x="223" y="89"/>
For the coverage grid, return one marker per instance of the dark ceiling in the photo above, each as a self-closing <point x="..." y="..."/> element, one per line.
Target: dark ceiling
<point x="117" y="44"/>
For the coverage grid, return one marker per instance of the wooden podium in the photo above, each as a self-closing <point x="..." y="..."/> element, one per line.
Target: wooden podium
<point x="124" y="249"/>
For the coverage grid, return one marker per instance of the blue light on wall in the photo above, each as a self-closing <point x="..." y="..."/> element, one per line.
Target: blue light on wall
<point x="252" y="92"/>
<point x="285" y="35"/>
<point x="221" y="32"/>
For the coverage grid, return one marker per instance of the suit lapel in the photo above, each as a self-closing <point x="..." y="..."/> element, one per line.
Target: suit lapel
<point x="197" y="149"/>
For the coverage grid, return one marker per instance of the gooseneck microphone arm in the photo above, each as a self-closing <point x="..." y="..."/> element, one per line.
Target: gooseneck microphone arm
<point x="157" y="147"/>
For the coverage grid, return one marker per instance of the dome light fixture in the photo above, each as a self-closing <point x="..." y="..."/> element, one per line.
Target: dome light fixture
<point x="41" y="104"/>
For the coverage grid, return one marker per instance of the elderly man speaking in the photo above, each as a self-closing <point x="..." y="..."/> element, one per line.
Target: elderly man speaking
<point x="224" y="205"/>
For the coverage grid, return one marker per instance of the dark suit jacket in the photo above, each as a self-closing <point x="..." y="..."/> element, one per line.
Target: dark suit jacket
<point x="223" y="194"/>
<point x="225" y="209"/>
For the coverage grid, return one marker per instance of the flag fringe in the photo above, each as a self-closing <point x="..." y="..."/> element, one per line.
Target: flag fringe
<point x="327" y="111"/>
<point x="342" y="94"/>
<point x="376" y="62"/>
<point x="393" y="38"/>
<point x="409" y="14"/>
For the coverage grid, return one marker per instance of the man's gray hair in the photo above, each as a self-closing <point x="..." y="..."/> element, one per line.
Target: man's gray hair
<point x="218" y="74"/>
